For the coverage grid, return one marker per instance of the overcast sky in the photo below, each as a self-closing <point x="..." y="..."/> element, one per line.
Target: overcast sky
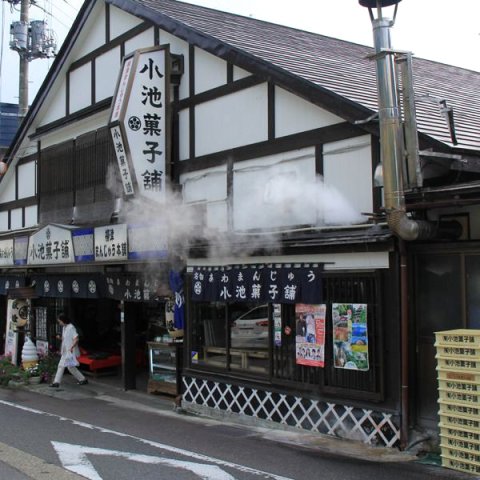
<point x="441" y="30"/>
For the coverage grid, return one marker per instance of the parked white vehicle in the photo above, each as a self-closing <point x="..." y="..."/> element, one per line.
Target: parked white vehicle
<point x="250" y="330"/>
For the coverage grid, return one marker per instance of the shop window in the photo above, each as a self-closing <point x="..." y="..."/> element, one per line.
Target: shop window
<point x="263" y="339"/>
<point x="233" y="337"/>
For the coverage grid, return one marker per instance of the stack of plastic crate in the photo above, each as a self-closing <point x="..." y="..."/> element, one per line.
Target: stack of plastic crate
<point x="458" y="366"/>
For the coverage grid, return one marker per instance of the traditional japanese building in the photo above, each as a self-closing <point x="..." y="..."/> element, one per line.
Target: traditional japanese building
<point x="177" y="152"/>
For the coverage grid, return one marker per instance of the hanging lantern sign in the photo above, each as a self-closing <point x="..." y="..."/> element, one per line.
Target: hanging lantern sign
<point x="139" y="122"/>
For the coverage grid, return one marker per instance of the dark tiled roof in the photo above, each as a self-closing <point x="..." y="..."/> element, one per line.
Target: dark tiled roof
<point x="333" y="73"/>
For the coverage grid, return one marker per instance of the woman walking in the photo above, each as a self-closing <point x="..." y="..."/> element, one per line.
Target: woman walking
<point x="69" y="353"/>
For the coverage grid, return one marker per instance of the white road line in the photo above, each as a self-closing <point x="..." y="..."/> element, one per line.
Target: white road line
<point x="162" y="446"/>
<point x="74" y="458"/>
<point x="34" y="467"/>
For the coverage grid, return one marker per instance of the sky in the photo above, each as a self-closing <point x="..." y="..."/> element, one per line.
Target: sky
<point x="442" y="30"/>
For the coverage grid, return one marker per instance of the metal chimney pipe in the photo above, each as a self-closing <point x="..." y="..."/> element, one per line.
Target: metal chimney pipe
<point x="392" y="143"/>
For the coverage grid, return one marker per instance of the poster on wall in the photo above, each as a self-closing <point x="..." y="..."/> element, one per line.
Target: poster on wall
<point x="310" y="334"/>
<point x="350" y="336"/>
<point x="277" y="324"/>
<point x="11" y="336"/>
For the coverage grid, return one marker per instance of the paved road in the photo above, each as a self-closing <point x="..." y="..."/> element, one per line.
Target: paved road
<point x="102" y="435"/>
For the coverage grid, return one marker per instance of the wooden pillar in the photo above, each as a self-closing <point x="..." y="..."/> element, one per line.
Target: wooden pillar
<point x="127" y="322"/>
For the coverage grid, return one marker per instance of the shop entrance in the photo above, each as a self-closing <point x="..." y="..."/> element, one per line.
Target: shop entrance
<point x="115" y="340"/>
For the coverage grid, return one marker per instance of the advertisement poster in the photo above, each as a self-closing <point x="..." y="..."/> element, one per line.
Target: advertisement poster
<point x="277" y="324"/>
<point x="350" y="336"/>
<point x="11" y="337"/>
<point x="310" y="334"/>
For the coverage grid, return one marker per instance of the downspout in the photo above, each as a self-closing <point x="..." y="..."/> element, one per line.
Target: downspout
<point x="404" y="345"/>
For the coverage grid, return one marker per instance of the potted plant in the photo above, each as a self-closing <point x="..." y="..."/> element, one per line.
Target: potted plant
<point x="47" y="366"/>
<point x="32" y="375"/>
<point x="6" y="370"/>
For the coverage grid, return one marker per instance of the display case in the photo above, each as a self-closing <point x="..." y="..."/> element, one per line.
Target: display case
<point x="163" y="368"/>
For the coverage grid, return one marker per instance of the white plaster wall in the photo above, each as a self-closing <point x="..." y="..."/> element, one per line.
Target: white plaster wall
<point x="348" y="168"/>
<point x="81" y="88"/>
<point x="31" y="215"/>
<point x="239" y="73"/>
<point x="86" y="125"/>
<point x="210" y="71"/>
<point x="231" y="121"/>
<point x="145" y="40"/>
<point x="16" y="218"/>
<point x="204" y="185"/>
<point x="179" y="47"/>
<point x="3" y="221"/>
<point x="275" y="191"/>
<point x="55" y="107"/>
<point x="217" y="216"/>
<point x="7" y="186"/>
<point x="121" y="22"/>
<point x="208" y="187"/>
<point x="93" y="35"/>
<point x="107" y="67"/>
<point x="27" y="180"/>
<point x="184" y="134"/>
<point x="294" y="115"/>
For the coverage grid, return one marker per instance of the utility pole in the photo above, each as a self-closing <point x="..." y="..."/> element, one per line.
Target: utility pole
<point x="23" y="70"/>
<point x="31" y="40"/>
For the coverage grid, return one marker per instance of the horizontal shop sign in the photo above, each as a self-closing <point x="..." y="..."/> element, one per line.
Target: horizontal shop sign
<point x="64" y="244"/>
<point x="258" y="283"/>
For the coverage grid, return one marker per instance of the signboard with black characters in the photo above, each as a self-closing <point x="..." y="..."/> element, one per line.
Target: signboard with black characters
<point x="111" y="243"/>
<point x="258" y="283"/>
<point x="139" y="122"/>
<point x="6" y="252"/>
<point x="50" y="245"/>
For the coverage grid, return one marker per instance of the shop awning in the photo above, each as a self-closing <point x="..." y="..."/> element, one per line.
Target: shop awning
<point x="82" y="285"/>
<point x="132" y="287"/>
<point x="8" y="282"/>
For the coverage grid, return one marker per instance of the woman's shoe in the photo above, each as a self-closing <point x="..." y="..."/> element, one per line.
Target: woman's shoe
<point x="83" y="382"/>
<point x="54" y="385"/>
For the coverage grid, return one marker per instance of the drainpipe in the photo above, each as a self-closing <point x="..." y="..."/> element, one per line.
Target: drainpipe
<point x="404" y="344"/>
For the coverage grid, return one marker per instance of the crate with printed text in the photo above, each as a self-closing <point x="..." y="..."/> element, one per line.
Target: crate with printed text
<point x="456" y="443"/>
<point x="462" y="337"/>
<point x="463" y="455"/>
<point x="461" y="397"/>
<point x="459" y="432"/>
<point x="462" y="364"/>
<point x="455" y="420"/>
<point x="458" y="351"/>
<point x="459" y="376"/>
<point x="451" y="408"/>
<point x="459" y="386"/>
<point x="460" y="465"/>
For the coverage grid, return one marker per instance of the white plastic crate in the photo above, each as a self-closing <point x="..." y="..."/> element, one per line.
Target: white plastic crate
<point x="462" y="364"/>
<point x="461" y="337"/>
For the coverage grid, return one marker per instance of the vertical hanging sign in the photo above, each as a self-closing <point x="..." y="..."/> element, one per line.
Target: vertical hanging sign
<point x="139" y="122"/>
